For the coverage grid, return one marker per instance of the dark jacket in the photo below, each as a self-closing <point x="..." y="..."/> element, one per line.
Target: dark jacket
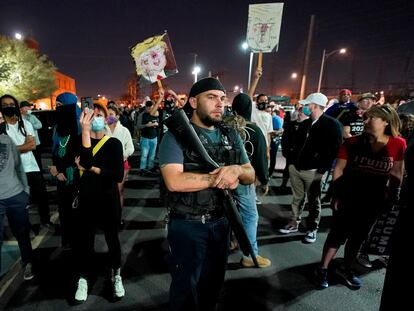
<point x="257" y="152"/>
<point x="317" y="145"/>
<point x="289" y="138"/>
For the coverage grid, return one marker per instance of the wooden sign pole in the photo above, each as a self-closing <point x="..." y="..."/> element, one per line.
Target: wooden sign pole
<point x="159" y="84"/>
<point x="260" y="61"/>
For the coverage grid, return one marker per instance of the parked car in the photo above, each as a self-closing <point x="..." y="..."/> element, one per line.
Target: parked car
<point x="47" y="117"/>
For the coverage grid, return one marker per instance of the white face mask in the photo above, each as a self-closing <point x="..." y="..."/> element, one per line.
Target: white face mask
<point x="29" y="112"/>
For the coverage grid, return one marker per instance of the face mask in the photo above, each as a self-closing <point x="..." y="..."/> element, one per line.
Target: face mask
<point x="111" y="120"/>
<point x="98" y="124"/>
<point x="228" y="111"/>
<point x="9" y="111"/>
<point x="306" y="111"/>
<point x="29" y="112"/>
<point x="262" y="106"/>
<point x="169" y="105"/>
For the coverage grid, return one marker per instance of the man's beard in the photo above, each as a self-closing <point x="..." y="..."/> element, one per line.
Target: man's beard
<point x="207" y="120"/>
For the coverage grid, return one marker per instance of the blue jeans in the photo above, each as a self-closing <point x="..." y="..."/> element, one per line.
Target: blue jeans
<point x="18" y="216"/>
<point x="246" y="202"/>
<point x="148" y="148"/>
<point x="197" y="259"/>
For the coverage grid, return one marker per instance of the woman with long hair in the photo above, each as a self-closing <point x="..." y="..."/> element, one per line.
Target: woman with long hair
<point x="366" y="182"/>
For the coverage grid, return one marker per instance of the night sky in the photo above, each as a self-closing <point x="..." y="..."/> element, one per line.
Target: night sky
<point x="89" y="40"/>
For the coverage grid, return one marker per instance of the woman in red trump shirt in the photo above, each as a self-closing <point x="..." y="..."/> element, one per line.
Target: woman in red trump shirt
<point x="367" y="179"/>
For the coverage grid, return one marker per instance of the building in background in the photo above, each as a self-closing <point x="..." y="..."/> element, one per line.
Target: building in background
<point x="64" y="83"/>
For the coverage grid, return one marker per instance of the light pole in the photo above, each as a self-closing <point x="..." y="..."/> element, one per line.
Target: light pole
<point x="294" y="77"/>
<point x="196" y="71"/>
<point x="245" y="46"/>
<point x="324" y="58"/>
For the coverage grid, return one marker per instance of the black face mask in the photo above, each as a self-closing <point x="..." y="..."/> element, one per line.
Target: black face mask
<point x="9" y="111"/>
<point x="228" y="111"/>
<point x="169" y="105"/>
<point x="262" y="106"/>
<point x="66" y="120"/>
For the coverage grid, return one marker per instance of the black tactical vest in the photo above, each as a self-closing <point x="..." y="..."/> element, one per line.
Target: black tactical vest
<point x="224" y="153"/>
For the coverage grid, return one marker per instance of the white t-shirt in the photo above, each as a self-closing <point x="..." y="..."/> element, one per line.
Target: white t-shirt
<point x="124" y="136"/>
<point x="263" y="120"/>
<point x="28" y="159"/>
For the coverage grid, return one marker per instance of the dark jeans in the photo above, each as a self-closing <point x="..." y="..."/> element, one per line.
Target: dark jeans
<point x="66" y="213"/>
<point x="274" y="146"/>
<point x="18" y="217"/>
<point x="197" y="259"/>
<point x="38" y="195"/>
<point x="85" y="241"/>
<point x="38" y="156"/>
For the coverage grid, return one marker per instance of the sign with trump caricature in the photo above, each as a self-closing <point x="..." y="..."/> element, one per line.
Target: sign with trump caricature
<point x="263" y="27"/>
<point x="154" y="59"/>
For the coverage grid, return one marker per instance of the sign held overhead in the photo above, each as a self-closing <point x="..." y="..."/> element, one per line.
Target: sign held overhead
<point x="263" y="27"/>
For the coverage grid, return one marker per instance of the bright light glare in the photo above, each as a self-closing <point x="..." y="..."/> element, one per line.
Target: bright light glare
<point x="18" y="36"/>
<point x="342" y="51"/>
<point x="294" y="75"/>
<point x="43" y="105"/>
<point x="245" y="46"/>
<point x="196" y="70"/>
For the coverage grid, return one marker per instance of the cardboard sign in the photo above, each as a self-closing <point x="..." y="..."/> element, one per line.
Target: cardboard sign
<point x="263" y="27"/>
<point x="154" y="59"/>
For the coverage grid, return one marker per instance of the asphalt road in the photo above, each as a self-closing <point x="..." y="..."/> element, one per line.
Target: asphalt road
<point x="286" y="285"/>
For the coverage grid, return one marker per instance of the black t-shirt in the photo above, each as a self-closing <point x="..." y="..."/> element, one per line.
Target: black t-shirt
<point x="149" y="132"/>
<point x="354" y="121"/>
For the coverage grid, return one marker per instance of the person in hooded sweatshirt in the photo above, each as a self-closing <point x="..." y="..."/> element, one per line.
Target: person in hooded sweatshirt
<point x="66" y="146"/>
<point x="255" y="145"/>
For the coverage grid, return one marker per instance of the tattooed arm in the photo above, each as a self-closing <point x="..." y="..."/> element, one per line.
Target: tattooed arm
<point x="179" y="181"/>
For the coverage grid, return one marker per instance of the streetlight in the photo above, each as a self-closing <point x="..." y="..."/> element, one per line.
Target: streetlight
<point x="195" y="72"/>
<point x="294" y="75"/>
<point x="324" y="58"/>
<point x="18" y="36"/>
<point x="236" y="88"/>
<point x="245" y="47"/>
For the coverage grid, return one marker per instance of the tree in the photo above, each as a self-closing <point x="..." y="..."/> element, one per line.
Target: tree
<point x="24" y="73"/>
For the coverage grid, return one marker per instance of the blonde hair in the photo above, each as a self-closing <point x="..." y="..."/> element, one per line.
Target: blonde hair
<point x="145" y="45"/>
<point x="387" y="113"/>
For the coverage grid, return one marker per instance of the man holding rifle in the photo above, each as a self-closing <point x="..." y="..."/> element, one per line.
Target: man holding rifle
<point x="198" y="232"/>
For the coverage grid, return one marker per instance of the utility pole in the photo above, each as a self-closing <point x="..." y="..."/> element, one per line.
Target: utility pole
<point x="306" y="61"/>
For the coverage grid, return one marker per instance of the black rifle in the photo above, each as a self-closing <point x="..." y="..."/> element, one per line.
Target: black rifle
<point x="179" y="125"/>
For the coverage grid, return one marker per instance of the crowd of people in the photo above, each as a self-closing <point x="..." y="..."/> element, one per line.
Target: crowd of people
<point x="361" y="144"/>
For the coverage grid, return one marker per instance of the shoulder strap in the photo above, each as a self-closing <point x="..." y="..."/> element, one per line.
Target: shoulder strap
<point x="96" y="148"/>
<point x="341" y="113"/>
<point x="99" y="144"/>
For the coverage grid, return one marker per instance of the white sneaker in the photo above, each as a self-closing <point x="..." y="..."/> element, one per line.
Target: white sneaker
<point x="82" y="291"/>
<point x="119" y="290"/>
<point x="310" y="236"/>
<point x="27" y="272"/>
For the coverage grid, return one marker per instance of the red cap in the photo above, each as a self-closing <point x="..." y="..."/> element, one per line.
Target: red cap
<point x="345" y="92"/>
